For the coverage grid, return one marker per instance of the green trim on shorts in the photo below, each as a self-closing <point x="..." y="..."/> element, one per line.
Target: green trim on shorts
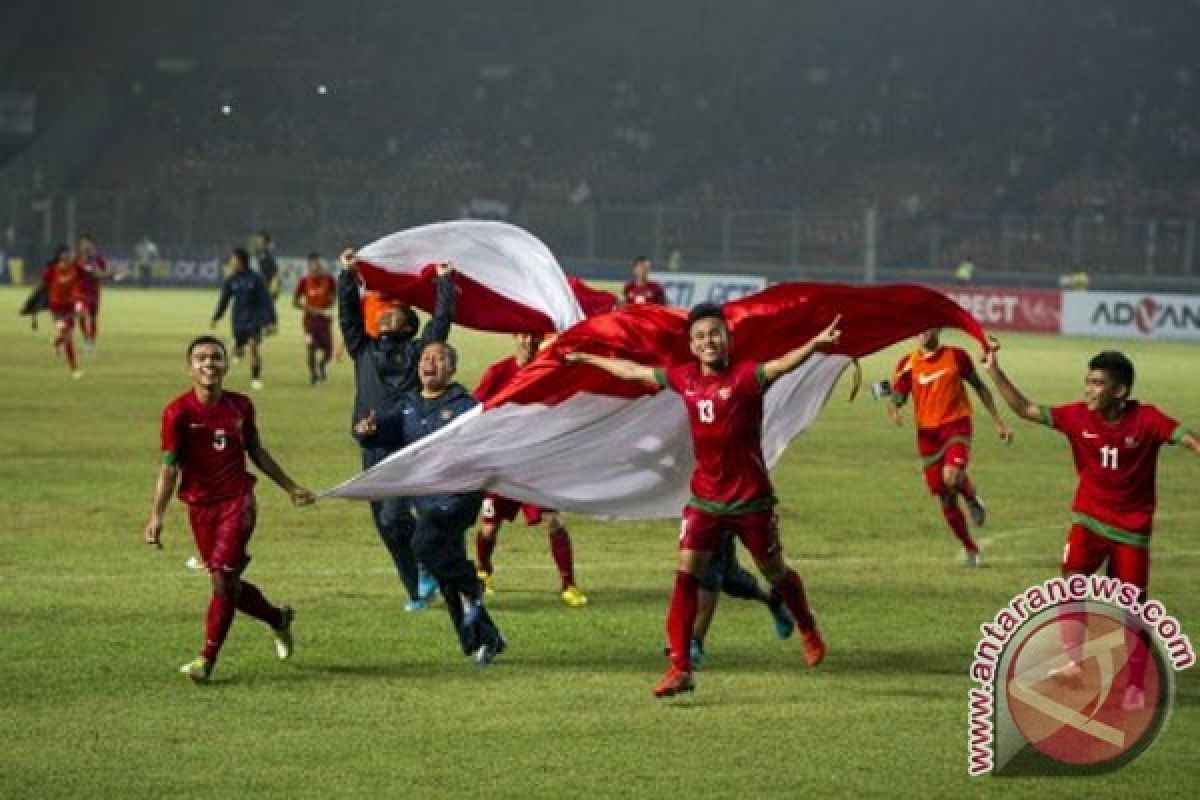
<point x="1111" y="532"/>
<point x="169" y="458"/>
<point x="760" y="374"/>
<point x="1178" y="435"/>
<point x="1047" y="417"/>
<point x="727" y="509"/>
<point x="660" y="377"/>
<point x="929" y="461"/>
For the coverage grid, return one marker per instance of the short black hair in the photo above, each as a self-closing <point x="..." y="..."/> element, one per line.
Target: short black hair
<point x="706" y="311"/>
<point x="207" y="338"/>
<point x="1117" y="365"/>
<point x="640" y="259"/>
<point x="266" y="237"/>
<point x="314" y="256"/>
<point x="240" y="254"/>
<point x="87" y="235"/>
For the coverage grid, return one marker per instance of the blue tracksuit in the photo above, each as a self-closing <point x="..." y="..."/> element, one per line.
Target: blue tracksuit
<point x="252" y="306"/>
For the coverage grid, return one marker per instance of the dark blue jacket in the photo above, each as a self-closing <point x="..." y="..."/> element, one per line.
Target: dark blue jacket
<point x="252" y="306"/>
<point x="385" y="368"/>
<point x="414" y="418"/>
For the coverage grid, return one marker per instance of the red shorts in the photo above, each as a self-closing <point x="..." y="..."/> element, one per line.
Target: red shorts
<point x="948" y="445"/>
<point x="89" y="305"/>
<point x="497" y="509"/>
<point x="1085" y="553"/>
<point x="758" y="530"/>
<point x="222" y="530"/>
<point x="318" y="332"/>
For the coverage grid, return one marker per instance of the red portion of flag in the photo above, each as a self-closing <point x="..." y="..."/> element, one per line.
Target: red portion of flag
<point x="764" y="326"/>
<point x="594" y="302"/>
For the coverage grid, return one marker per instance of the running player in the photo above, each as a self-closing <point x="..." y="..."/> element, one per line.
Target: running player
<point x="253" y="311"/>
<point x="61" y="278"/>
<point x="935" y="374"/>
<point x="498" y="510"/>
<point x="207" y="434"/>
<point x="315" y="295"/>
<point x="1115" y="442"/>
<point x="731" y="491"/>
<point x="641" y="289"/>
<point x="92" y="268"/>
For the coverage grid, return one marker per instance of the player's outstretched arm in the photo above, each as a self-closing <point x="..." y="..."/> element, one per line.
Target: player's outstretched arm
<point x="1191" y="442"/>
<point x="1020" y="405"/>
<point x="617" y="367"/>
<point x="263" y="459"/>
<point x="164" y="487"/>
<point x="777" y="368"/>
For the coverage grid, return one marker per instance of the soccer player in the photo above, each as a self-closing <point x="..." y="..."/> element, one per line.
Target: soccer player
<point x="253" y="311"/>
<point x="92" y="268"/>
<point x="61" y="278"/>
<point x="207" y="434"/>
<point x="442" y="520"/>
<point x="385" y="369"/>
<point x="498" y="510"/>
<point x="935" y="375"/>
<point x="731" y="491"/>
<point x="1115" y="441"/>
<point x="268" y="268"/>
<point x="641" y="289"/>
<point x="315" y="294"/>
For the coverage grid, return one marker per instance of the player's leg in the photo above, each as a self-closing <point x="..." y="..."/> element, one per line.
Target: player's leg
<point x="958" y="455"/>
<point x="942" y="477"/>
<point x="255" y="361"/>
<point x="64" y="342"/>
<point x="564" y="559"/>
<point x="310" y="350"/>
<point x="739" y="582"/>
<point x="1083" y="554"/>
<point x="92" y="321"/>
<point x="394" y="524"/>
<point x="699" y="537"/>
<point x="759" y="532"/>
<point x="1131" y="564"/>
<point x="494" y="512"/>
<point x="324" y="342"/>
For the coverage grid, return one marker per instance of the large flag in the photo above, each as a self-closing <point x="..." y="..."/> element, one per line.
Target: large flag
<point x="508" y="280"/>
<point x="572" y="437"/>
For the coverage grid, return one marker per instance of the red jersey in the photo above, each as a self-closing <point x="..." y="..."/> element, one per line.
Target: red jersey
<point x="1116" y="463"/>
<point x="90" y="272"/>
<point x="495" y="378"/>
<point x="209" y="442"/>
<point x="725" y="413"/>
<point x="935" y="381"/>
<point x="317" y="293"/>
<point x="62" y="286"/>
<point x="648" y="292"/>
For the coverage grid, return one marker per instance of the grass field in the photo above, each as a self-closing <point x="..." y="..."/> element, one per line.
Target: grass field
<point x="377" y="703"/>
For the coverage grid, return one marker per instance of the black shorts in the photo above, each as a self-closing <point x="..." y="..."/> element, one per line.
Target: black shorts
<point x="243" y="338"/>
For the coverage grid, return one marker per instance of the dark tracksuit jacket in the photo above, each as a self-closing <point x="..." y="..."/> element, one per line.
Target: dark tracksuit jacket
<point x="252" y="306"/>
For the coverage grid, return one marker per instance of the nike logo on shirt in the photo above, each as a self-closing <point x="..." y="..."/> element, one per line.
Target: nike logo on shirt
<point x="1090" y="435"/>
<point x="925" y="380"/>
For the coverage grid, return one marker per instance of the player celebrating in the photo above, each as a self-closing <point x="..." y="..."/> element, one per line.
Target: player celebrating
<point x="1115" y="442"/>
<point x="935" y="376"/>
<point x="498" y="510"/>
<point x="92" y="268"/>
<point x="731" y="491"/>
<point x="641" y="289"/>
<point x="253" y="310"/>
<point x="61" y="278"/>
<point x="207" y="433"/>
<point x="315" y="295"/>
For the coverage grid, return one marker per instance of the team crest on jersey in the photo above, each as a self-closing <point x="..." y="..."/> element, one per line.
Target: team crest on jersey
<point x="1130" y="441"/>
<point x="725" y="393"/>
<point x="447" y="413"/>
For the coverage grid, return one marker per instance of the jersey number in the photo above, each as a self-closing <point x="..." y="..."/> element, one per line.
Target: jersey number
<point x="219" y="440"/>
<point x="705" y="410"/>
<point x="1108" y="457"/>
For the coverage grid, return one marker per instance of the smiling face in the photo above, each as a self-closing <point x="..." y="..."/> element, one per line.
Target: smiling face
<point x="709" y="341"/>
<point x="1101" y="391"/>
<point x="436" y="367"/>
<point x="207" y="365"/>
<point x="525" y="346"/>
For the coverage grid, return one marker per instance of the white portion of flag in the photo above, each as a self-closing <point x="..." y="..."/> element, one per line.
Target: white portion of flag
<point x="599" y="455"/>
<point x="506" y="259"/>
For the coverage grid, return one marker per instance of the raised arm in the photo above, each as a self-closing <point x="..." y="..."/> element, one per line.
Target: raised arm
<point x="438" y="327"/>
<point x="350" y="318"/>
<point x="618" y="367"/>
<point x="778" y="367"/>
<point x="164" y="487"/>
<point x="1021" y="406"/>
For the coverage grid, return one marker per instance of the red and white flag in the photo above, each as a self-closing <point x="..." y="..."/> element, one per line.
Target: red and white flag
<point x="508" y="281"/>
<point x="572" y="437"/>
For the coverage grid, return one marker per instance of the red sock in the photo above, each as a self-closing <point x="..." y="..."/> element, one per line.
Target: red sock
<point x="560" y="548"/>
<point x="484" y="547"/>
<point x="251" y="601"/>
<point x="681" y="617"/>
<point x="958" y="526"/>
<point x="217" y="624"/>
<point x="792" y="591"/>
<point x="966" y="488"/>
<point x="1072" y="633"/>
<point x="68" y="345"/>
<point x="89" y="327"/>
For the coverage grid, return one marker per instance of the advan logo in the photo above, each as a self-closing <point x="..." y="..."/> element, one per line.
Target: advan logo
<point x="1148" y="315"/>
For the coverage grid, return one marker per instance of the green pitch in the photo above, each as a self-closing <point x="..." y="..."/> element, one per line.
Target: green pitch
<point x="378" y="703"/>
